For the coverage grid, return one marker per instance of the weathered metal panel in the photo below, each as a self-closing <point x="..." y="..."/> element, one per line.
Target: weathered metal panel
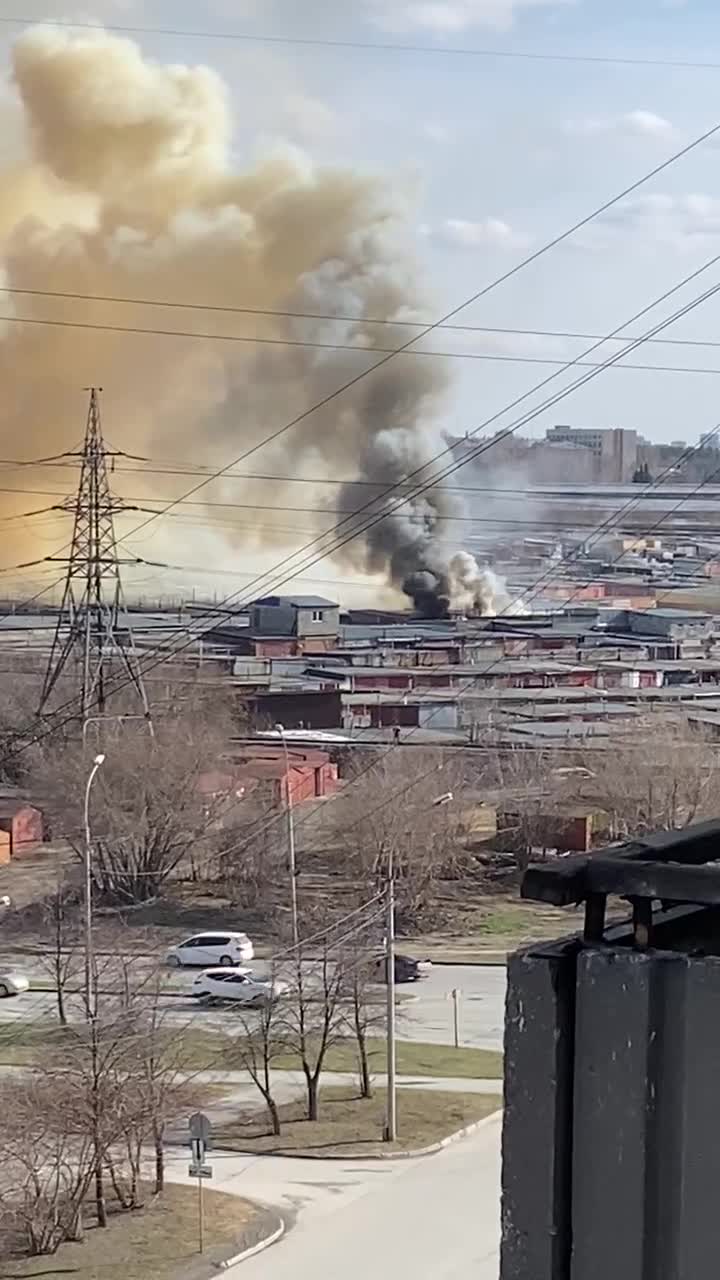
<point x="611" y="1138"/>
<point x="536" y="1138"/>
<point x="610" y="1116"/>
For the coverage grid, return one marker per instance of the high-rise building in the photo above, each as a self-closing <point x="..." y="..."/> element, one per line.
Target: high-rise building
<point x="615" y="449"/>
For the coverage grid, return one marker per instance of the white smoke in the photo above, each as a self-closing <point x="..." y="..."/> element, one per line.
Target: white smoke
<point x="478" y="590"/>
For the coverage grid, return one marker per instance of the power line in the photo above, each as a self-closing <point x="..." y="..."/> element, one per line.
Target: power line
<point x="369" y="46"/>
<point x="450" y="315"/>
<point x="485" y="357"/>
<point x="554" y="398"/>
<point x="296" y="570"/>
<point x="536" y="492"/>
<point x="339" y="317"/>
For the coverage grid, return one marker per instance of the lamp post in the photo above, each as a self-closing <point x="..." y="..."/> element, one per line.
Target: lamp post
<point x="291" y="838"/>
<point x="89" y="965"/>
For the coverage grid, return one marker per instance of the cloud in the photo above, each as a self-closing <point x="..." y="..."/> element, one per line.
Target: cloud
<point x="446" y="16"/>
<point x="631" y="124"/>
<point x="308" y="117"/>
<point x="681" y="222"/>
<point x="436" y="132"/>
<point x="487" y="233"/>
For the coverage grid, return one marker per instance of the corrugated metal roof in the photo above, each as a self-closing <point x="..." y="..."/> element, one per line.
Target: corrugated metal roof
<point x="299" y="602"/>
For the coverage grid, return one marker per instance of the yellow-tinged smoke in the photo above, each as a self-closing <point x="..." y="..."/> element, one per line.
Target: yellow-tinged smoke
<point x="120" y="180"/>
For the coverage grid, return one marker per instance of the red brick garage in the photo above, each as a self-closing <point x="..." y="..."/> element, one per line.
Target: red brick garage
<point x="23" y="825"/>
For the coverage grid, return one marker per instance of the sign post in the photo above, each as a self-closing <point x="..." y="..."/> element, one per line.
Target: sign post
<point x="456" y="994"/>
<point x="199" y="1143"/>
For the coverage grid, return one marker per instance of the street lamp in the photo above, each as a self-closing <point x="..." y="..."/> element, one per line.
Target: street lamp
<point x="291" y="837"/>
<point x="89" y="966"/>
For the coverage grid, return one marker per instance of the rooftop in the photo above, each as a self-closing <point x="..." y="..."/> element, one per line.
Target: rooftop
<point x="299" y="602"/>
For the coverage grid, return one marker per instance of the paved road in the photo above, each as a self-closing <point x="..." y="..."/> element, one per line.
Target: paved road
<point x="425" y="1011"/>
<point x="431" y="1218"/>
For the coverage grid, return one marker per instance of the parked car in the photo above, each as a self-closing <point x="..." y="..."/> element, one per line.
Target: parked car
<point x="13" y="984"/>
<point x="236" y="984"/>
<point x="212" y="948"/>
<point x="406" y="968"/>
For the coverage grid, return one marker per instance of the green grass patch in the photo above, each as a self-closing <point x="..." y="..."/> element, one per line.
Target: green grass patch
<point x="414" y="1058"/>
<point x="29" y="1043"/>
<point x="349" y="1125"/>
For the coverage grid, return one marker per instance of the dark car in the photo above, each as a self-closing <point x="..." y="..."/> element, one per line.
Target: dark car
<point x="406" y="968"/>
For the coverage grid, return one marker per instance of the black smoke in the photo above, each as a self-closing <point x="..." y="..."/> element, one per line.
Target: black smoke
<point x="428" y="592"/>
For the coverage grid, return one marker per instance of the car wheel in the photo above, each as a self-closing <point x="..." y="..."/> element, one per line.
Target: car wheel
<point x="174" y="962"/>
<point x="226" y="960"/>
<point x="3" y="991"/>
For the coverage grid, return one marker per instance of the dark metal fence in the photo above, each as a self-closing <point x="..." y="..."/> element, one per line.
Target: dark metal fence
<point x="611" y="1134"/>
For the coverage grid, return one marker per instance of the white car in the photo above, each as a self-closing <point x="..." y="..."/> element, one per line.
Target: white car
<point x="212" y="948"/>
<point x="236" y="984"/>
<point x="12" y="984"/>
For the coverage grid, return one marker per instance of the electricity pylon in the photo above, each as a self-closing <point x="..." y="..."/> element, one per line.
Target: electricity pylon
<point x="87" y="640"/>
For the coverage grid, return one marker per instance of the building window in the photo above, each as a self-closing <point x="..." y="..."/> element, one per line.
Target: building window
<point x="317" y="615"/>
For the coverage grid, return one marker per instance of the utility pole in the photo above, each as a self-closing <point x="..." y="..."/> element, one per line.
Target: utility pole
<point x="87" y="637"/>
<point x="391" y="1113"/>
<point x="292" y="865"/>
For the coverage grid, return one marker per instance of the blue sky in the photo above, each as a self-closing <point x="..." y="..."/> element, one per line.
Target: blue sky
<point x="496" y="155"/>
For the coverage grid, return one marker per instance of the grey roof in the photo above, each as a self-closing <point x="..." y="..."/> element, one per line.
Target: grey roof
<point x="300" y="602"/>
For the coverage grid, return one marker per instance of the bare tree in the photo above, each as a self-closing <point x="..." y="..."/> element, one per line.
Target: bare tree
<point x="61" y="960"/>
<point x="526" y="789"/>
<point x="395" y="811"/>
<point x="251" y="852"/>
<point x="663" y="778"/>
<point x="365" y="1017"/>
<point x="163" y="1078"/>
<point x="263" y="1040"/>
<point x="47" y="1163"/>
<point x="316" y="1017"/>
<point x="157" y="801"/>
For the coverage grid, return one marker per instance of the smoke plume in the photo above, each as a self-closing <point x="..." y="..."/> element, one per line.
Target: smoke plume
<point x="118" y="179"/>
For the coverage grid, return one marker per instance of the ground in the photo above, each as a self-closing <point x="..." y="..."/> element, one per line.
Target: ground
<point x="159" y="1242"/>
<point x="412" y="1059"/>
<point x="352" y="1125"/>
<point x="423" y="1216"/>
<point x="23" y="1043"/>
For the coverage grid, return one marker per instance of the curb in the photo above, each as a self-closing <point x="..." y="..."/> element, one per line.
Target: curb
<point x="375" y="1155"/>
<point x="261" y="1245"/>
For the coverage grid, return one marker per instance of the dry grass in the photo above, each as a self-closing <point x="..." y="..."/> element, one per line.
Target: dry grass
<point x="350" y="1125"/>
<point x="158" y="1242"/>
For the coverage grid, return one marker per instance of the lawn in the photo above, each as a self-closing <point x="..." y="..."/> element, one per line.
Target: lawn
<point x="414" y="1058"/>
<point x="158" y="1242"/>
<point x="350" y="1125"/>
<point x="24" y="1043"/>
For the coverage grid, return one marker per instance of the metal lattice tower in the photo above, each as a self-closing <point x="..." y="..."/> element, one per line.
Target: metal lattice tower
<point x="87" y="639"/>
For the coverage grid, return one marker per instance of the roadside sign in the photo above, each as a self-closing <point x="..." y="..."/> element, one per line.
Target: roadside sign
<point x="200" y="1126"/>
<point x="198" y="1149"/>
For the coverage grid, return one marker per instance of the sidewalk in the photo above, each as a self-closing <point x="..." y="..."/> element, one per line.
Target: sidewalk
<point x="295" y="1080"/>
<point x="287" y="1085"/>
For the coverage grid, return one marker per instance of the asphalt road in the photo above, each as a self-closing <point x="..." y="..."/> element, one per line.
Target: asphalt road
<point x="432" y="1217"/>
<point x="425" y="1008"/>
